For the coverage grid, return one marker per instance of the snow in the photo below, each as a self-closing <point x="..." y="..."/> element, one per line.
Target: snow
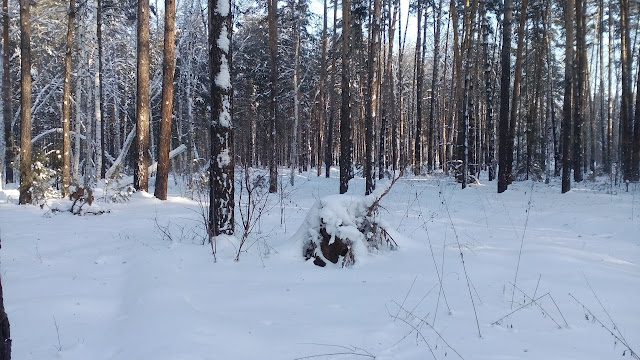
<point x="114" y="286"/>
<point x="223" y="7"/>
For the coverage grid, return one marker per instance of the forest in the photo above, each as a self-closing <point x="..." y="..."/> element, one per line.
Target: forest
<point x="511" y="91"/>
<point x="422" y="144"/>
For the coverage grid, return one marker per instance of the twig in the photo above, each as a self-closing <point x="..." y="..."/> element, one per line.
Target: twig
<point x="406" y="296"/>
<point x="515" y="279"/>
<point x="434" y="330"/>
<point x="441" y="291"/>
<point x="518" y="309"/>
<point x="621" y="340"/>
<point x="58" y="333"/>
<point x="544" y="312"/>
<point x="603" y="308"/>
<point x="418" y="332"/>
<point x="464" y="267"/>
<point x="353" y="350"/>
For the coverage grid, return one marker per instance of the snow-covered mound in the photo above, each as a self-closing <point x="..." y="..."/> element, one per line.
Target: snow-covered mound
<point x="338" y="228"/>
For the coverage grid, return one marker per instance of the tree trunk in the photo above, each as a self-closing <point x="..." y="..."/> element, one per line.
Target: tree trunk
<point x="322" y="90"/>
<point x="626" y="126"/>
<point x="505" y="82"/>
<point x="5" y="331"/>
<point x="66" y="103"/>
<point x="6" y="95"/>
<point x="346" y="141"/>
<point x="371" y="100"/>
<point x="26" y="173"/>
<point x="579" y="94"/>
<point x="221" y="175"/>
<point x="417" y="153"/>
<point x="636" y="132"/>
<point x="166" y="108"/>
<point x="140" y="174"/>
<point x="99" y="108"/>
<point x="515" y="99"/>
<point x="328" y="153"/>
<point x="488" y="86"/>
<point x="272" y="6"/>
<point x="566" y="107"/>
<point x="295" y="158"/>
<point x="435" y="86"/>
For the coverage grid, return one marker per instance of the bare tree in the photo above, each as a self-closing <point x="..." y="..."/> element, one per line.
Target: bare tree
<point x="166" y="109"/>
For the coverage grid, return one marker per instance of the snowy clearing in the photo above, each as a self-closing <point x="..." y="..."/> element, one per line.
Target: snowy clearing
<point x="137" y="283"/>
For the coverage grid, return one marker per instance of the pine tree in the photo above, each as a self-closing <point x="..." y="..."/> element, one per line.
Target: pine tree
<point x="166" y="108"/>
<point x="143" y="111"/>
<point x="26" y="173"/>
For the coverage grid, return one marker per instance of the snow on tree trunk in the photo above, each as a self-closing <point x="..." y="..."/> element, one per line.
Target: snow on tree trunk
<point x="221" y="186"/>
<point x="340" y="228"/>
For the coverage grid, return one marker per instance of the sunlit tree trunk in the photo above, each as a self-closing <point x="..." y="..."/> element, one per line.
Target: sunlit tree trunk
<point x="143" y="111"/>
<point x="166" y="108"/>
<point x="66" y="102"/>
<point x="26" y="173"/>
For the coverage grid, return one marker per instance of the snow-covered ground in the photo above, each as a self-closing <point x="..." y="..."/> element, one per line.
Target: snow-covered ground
<point x="114" y="286"/>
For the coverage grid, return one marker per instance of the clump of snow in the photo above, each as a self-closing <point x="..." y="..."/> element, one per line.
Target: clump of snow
<point x="340" y="227"/>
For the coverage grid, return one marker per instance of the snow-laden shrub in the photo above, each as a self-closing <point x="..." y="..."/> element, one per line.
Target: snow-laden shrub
<point x="41" y="187"/>
<point x="339" y="228"/>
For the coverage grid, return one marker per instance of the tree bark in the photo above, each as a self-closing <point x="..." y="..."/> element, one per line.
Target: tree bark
<point x="166" y="109"/>
<point x="515" y="99"/>
<point x="272" y="6"/>
<point x="26" y="173"/>
<point x="5" y="331"/>
<point x="371" y="100"/>
<point x="505" y="82"/>
<point x="626" y="126"/>
<point x="6" y="94"/>
<point x="417" y="152"/>
<point x="103" y="158"/>
<point x="221" y="171"/>
<point x="579" y="94"/>
<point x="346" y="141"/>
<point x="140" y="174"/>
<point x="66" y="103"/>
<point x="568" y="87"/>
<point x="328" y="153"/>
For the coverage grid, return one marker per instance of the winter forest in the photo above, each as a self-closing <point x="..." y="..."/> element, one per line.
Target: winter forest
<point x="297" y="179"/>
